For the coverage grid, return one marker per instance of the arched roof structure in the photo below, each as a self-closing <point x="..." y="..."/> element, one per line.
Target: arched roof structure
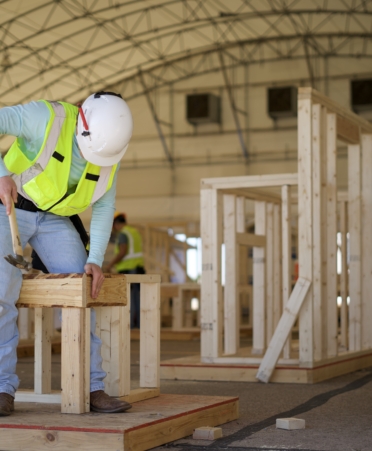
<point x="65" y="49"/>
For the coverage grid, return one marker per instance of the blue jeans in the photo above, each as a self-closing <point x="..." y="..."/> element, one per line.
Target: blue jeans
<point x="59" y="246"/>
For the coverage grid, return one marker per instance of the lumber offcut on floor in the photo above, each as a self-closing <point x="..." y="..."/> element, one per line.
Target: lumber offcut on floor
<point x="150" y="423"/>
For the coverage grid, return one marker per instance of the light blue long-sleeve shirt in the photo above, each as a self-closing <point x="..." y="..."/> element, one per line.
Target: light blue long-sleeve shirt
<point x="28" y="123"/>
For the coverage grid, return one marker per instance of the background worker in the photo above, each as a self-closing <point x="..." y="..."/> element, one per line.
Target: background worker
<point x="128" y="260"/>
<point x="64" y="160"/>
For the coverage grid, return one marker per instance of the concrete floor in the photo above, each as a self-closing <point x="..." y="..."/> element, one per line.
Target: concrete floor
<point x="338" y="412"/>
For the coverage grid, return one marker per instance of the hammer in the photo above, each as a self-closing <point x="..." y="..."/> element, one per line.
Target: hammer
<point x="17" y="259"/>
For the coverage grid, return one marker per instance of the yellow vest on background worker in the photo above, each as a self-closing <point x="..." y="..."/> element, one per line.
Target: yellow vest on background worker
<point x="134" y="256"/>
<point x="44" y="180"/>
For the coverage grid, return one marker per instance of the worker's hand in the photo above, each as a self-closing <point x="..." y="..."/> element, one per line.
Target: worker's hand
<point x="8" y="191"/>
<point x="98" y="278"/>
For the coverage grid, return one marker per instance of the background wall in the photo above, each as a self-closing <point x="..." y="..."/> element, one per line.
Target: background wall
<point x="151" y="189"/>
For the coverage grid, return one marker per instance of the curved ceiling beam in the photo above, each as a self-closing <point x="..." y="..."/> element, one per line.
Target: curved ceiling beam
<point x="250" y="47"/>
<point x="200" y="27"/>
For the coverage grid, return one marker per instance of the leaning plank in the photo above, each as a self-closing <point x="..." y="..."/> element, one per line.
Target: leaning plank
<point x="71" y="290"/>
<point x="282" y="331"/>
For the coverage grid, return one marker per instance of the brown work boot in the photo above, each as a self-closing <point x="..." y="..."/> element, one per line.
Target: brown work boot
<point x="6" y="404"/>
<point x="103" y="403"/>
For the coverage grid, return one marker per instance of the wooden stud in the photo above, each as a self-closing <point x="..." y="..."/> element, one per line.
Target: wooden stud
<point x="286" y="257"/>
<point x="211" y="289"/>
<point x="259" y="282"/>
<point x="150" y="336"/>
<point x="344" y="276"/>
<point x="355" y="221"/>
<point x="75" y="360"/>
<point x="331" y="191"/>
<point x="277" y="265"/>
<point x="319" y="226"/>
<point x="366" y="257"/>
<point x="43" y="350"/>
<point x="231" y="294"/>
<point x="305" y="222"/>
<point x="269" y="266"/>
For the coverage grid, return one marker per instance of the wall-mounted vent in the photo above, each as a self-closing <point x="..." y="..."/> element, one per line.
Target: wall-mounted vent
<point x="361" y="95"/>
<point x="282" y="102"/>
<point x="202" y="108"/>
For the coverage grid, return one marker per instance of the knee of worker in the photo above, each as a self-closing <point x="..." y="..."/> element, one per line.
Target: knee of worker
<point x="8" y="316"/>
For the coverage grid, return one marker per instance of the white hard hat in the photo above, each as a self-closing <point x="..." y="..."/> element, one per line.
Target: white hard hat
<point x="104" y="128"/>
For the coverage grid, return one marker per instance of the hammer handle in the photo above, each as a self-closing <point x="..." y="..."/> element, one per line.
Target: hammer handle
<point x="16" y="241"/>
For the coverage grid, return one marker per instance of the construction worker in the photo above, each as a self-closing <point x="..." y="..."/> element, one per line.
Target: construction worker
<point x="128" y="259"/>
<point x="64" y="160"/>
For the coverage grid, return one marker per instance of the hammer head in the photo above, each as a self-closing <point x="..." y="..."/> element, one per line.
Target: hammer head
<point x="18" y="261"/>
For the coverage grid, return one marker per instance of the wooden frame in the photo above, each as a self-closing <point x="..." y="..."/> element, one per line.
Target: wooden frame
<point x="322" y="214"/>
<point x="72" y="292"/>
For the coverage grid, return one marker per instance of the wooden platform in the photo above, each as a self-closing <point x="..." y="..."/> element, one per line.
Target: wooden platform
<point x="191" y="368"/>
<point x="150" y="423"/>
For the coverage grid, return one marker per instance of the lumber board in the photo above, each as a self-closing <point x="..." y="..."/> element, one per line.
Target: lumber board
<point x="331" y="247"/>
<point x="75" y="360"/>
<point x="283" y="329"/>
<point x="252" y="194"/>
<point x="71" y="290"/>
<point x="211" y="289"/>
<point x="344" y="275"/>
<point x="150" y="423"/>
<point x="305" y="225"/>
<point x="259" y="285"/>
<point x="355" y="246"/>
<point x="190" y="368"/>
<point x="250" y="239"/>
<point x="43" y="350"/>
<point x="366" y="238"/>
<point x="286" y="256"/>
<point x="174" y="429"/>
<point x="231" y="295"/>
<point x="150" y="335"/>
<point x="40" y="440"/>
<point x="319" y="223"/>
<point x="249" y="181"/>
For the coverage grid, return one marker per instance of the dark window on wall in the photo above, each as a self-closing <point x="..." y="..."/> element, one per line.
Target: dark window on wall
<point x="361" y="95"/>
<point x="202" y="108"/>
<point x="282" y="102"/>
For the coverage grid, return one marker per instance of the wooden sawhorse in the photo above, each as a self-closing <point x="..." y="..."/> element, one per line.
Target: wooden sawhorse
<point x="71" y="292"/>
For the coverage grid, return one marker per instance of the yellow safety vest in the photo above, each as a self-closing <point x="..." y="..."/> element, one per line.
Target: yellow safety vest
<point x="44" y="180"/>
<point x="134" y="256"/>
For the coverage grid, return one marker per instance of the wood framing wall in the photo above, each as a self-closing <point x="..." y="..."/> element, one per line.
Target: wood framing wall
<point x="328" y="223"/>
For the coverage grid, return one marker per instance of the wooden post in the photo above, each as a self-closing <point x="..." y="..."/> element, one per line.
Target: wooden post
<point x="286" y="257"/>
<point x="366" y="261"/>
<point x="43" y="350"/>
<point x="305" y="223"/>
<point x="344" y="275"/>
<point x="269" y="266"/>
<point x="277" y="266"/>
<point x="211" y="289"/>
<point x="259" y="282"/>
<point x="75" y="360"/>
<point x="150" y="335"/>
<point x="319" y="225"/>
<point x="332" y="320"/>
<point x="231" y="293"/>
<point x="113" y="327"/>
<point x="355" y="222"/>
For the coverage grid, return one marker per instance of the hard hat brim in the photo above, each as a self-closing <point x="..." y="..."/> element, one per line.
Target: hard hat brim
<point x="98" y="160"/>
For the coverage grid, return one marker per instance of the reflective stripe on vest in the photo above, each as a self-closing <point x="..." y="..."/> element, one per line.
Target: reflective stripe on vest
<point x="44" y="180"/>
<point x="134" y="257"/>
